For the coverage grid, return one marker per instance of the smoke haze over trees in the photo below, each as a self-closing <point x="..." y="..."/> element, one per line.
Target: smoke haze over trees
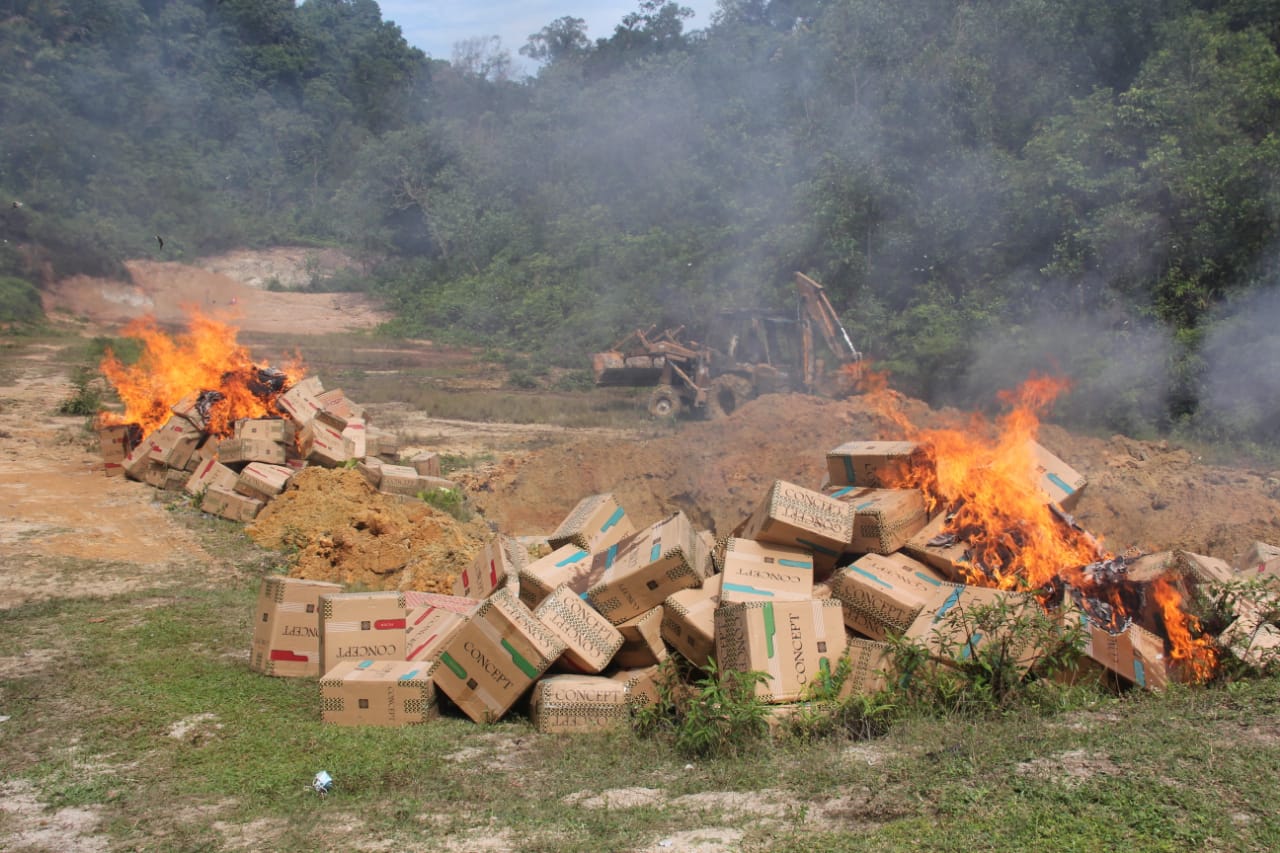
<point x="984" y="188"/>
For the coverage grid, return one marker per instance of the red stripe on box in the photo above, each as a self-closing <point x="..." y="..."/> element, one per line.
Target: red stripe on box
<point x="286" y="655"/>
<point x="388" y="624"/>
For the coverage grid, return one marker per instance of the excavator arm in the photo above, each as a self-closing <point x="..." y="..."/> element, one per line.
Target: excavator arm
<point x="816" y="313"/>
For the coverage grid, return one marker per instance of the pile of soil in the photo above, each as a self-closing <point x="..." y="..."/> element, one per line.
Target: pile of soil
<point x="1152" y="495"/>
<point x="346" y="532"/>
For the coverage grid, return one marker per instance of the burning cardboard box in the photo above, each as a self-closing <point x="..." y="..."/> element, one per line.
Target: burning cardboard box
<point x="590" y="640"/>
<point x="497" y="655"/>
<point x="362" y="625"/>
<point x="638" y="573"/>
<point x="1134" y="654"/>
<point x="758" y="571"/>
<point x="575" y="704"/>
<point x="500" y="558"/>
<point x="795" y="643"/>
<point x="262" y="481"/>
<point x="800" y="517"/>
<point x="378" y="693"/>
<point x="227" y="504"/>
<point x="689" y="621"/>
<point x="286" y="627"/>
<point x="593" y="525"/>
<point x="883" y="519"/>
<point x="568" y="565"/>
<point x="939" y="550"/>
<point x="872" y="464"/>
<point x="1059" y="482"/>
<point x="431" y="621"/>
<point x="642" y="643"/>
<point x="880" y="597"/>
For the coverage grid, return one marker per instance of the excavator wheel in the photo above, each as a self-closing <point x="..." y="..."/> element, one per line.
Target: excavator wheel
<point x="727" y="394"/>
<point x="664" y="402"/>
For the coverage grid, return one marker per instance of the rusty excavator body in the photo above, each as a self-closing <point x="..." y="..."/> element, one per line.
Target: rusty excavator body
<point x="748" y="354"/>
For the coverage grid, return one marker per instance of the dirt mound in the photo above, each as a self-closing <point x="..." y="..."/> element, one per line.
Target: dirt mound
<point x="348" y="533"/>
<point x="1152" y="495"/>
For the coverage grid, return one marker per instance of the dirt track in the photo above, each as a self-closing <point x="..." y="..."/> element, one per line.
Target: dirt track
<point x="64" y="518"/>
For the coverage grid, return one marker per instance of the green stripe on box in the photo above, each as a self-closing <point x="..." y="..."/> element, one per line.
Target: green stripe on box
<point x="454" y="666"/>
<point x="519" y="660"/>
<point x="769" y="629"/>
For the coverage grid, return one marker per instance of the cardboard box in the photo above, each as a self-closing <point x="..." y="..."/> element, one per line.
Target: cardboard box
<point x="638" y="573"/>
<point x="880" y="596"/>
<point x="946" y="625"/>
<point x="689" y="621"/>
<point x="163" y="477"/>
<point x="759" y="571"/>
<point x="230" y="505"/>
<point x="642" y="685"/>
<point x="495" y="657"/>
<point x="870" y="666"/>
<point x="1059" y="482"/>
<point x="400" y="480"/>
<point x="952" y="561"/>
<point x="337" y="404"/>
<point x="286" y="627"/>
<point x="237" y="452"/>
<point x="355" y="437"/>
<point x="574" y="704"/>
<point x="593" y="525"/>
<point x="642" y="643"/>
<point x="362" y="626"/>
<point x="115" y="442"/>
<point x="194" y="409"/>
<point x="793" y="642"/>
<point x="378" y="693"/>
<point x="431" y="621"/>
<point x="501" y="558"/>
<point x="371" y="469"/>
<point x="324" y="445"/>
<point x="275" y="430"/>
<point x="262" y="481"/>
<point x="172" y="444"/>
<point x="300" y="402"/>
<point x="794" y="515"/>
<point x="1260" y="559"/>
<point x="1253" y="641"/>
<point x="381" y="442"/>
<point x="1135" y="655"/>
<point x="567" y="565"/>
<point x="883" y="519"/>
<point x="873" y="464"/>
<point x="426" y="463"/>
<point x="590" y="640"/>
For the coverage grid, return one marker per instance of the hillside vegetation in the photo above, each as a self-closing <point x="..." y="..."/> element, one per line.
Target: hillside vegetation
<point x="985" y="188"/>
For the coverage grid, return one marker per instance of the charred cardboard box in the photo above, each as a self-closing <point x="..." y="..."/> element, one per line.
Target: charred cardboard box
<point x="638" y="573"/>
<point x="574" y="704"/>
<point x="880" y="596"/>
<point x="362" y="625"/>
<point x="501" y="557"/>
<point x="872" y="464"/>
<point x="495" y="657"/>
<point x="235" y="453"/>
<point x="277" y="430"/>
<point x="950" y="627"/>
<point x="760" y="571"/>
<point x="566" y="565"/>
<point x="883" y="519"/>
<point x="689" y="621"/>
<point x="642" y="643"/>
<point x="940" y="551"/>
<point x="597" y="522"/>
<point x="378" y="693"/>
<point x="431" y="620"/>
<point x="230" y="505"/>
<point x="590" y="640"/>
<point x="1134" y="655"/>
<point x="1187" y="574"/>
<point x="795" y="643"/>
<point x="642" y="685"/>
<point x="1059" y="482"/>
<point x="300" y="402"/>
<point x="800" y="517"/>
<point x="286" y="627"/>
<point x="262" y="481"/>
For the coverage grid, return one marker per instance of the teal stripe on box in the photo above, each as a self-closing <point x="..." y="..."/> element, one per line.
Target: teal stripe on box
<point x="613" y="519"/>
<point x="1139" y="673"/>
<point x="610" y="555"/>
<point x="866" y="574"/>
<point x="747" y="588"/>
<point x="947" y="605"/>
<point x="848" y="470"/>
<point x="796" y="564"/>
<point x="655" y="552"/>
<point x="839" y="493"/>
<point x="1061" y="483"/>
<point x="928" y="579"/>
<point x="814" y="546"/>
<point x="572" y="559"/>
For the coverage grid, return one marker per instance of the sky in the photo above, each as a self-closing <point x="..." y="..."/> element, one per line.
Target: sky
<point x="435" y="25"/>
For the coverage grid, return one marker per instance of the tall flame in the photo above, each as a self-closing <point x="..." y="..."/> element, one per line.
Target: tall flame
<point x="206" y="358"/>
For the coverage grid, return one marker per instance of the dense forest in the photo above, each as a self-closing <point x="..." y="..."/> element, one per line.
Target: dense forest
<point x="986" y="188"/>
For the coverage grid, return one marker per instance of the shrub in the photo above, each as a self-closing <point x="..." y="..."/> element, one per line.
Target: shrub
<point x="718" y="714"/>
<point x="447" y="500"/>
<point x="87" y="399"/>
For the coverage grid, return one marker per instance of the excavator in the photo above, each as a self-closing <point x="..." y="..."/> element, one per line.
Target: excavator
<point x="749" y="354"/>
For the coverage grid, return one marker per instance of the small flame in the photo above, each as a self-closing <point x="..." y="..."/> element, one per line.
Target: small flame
<point x="1193" y="653"/>
<point x="207" y="358"/>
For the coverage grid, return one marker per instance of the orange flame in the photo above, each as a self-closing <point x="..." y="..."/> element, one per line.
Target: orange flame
<point x="1194" y="655"/>
<point x="172" y="368"/>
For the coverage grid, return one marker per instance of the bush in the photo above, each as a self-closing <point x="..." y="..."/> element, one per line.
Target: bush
<point x="718" y="714"/>
<point x="447" y="500"/>
<point x="87" y="399"/>
<point x="19" y="301"/>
